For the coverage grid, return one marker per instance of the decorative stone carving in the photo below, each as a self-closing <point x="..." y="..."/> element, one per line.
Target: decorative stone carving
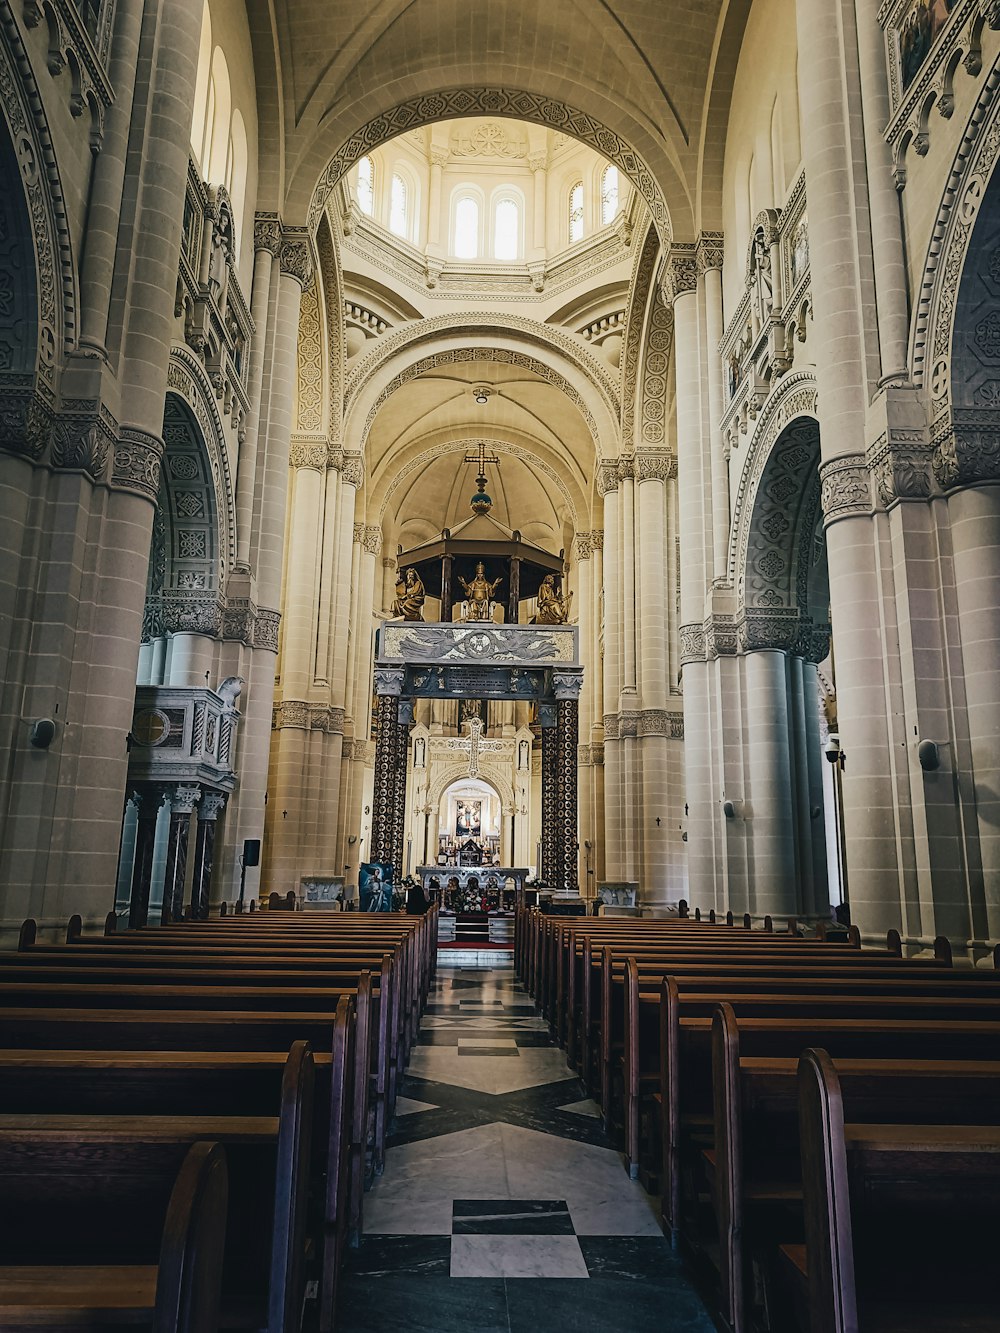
<point x="267" y="233"/>
<point x="291" y="713"/>
<point x="389" y="680"/>
<point x="692" y="642"/>
<point x="26" y="422"/>
<point x="266" y="632"/>
<point x="352" y="473"/>
<point x="969" y="452"/>
<point x="597" y="539"/>
<point x="607" y="476"/>
<point x="610" y="726"/>
<point x="478" y="644"/>
<point x="136" y="465"/>
<point x="900" y="473"/>
<point x="845" y="487"/>
<point x="183" y="798"/>
<point x="211" y="805"/>
<point x="681" y="275"/>
<point x="295" y="256"/>
<point x="710" y="251"/>
<point x="584" y="546"/>
<point x="359" y="533"/>
<point x="567" y="684"/>
<point x="305" y="453"/>
<point x="83" y="442"/>
<point x="373" y="539"/>
<point x="192" y="613"/>
<point x="655" y="466"/>
<point x="720" y="636"/>
<point x="776" y="627"/>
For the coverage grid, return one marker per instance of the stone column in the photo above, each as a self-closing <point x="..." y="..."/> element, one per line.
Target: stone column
<point x="388" y="584"/>
<point x="183" y="801"/>
<point x="770" y="797"/>
<point x="652" y="470"/>
<point x="267" y="246"/>
<point x="709" y="262"/>
<point x="567" y="686"/>
<point x="439" y="157"/>
<point x="607" y="483"/>
<point x="148" y="798"/>
<point x="538" y="163"/>
<point x="405" y="721"/>
<point x="507" y="848"/>
<point x="550" y="831"/>
<point x="210" y="807"/>
<point x="388" y="685"/>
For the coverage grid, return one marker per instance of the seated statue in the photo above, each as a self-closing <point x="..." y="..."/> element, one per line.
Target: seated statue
<point x="409" y="597"/>
<point x="552" y="609"/>
<point x="479" y="595"/>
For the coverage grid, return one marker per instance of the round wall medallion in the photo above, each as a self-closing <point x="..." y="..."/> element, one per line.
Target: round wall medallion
<point x="150" y="727"/>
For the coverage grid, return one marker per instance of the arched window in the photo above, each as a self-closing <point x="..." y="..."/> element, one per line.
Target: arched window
<point x="236" y="179"/>
<point x="466" y="244"/>
<point x="506" y="231"/>
<point x="366" y="186"/>
<point x="397" y="207"/>
<point x="576" y="213"/>
<point x="609" y="195"/>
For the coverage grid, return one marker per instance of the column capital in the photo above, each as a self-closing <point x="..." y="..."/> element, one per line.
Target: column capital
<point x="183" y="798"/>
<point x="597" y="539"/>
<point x="136" y="463"/>
<point x="607" y="476"/>
<point x="655" y="465"/>
<point x="295" y="256"/>
<point x="584" y="545"/>
<point x="352" y="470"/>
<point x="308" y="452"/>
<point x="967" y="449"/>
<point x="567" y="684"/>
<point x="538" y="161"/>
<point x="710" y="251"/>
<point x="211" y="806"/>
<point x="439" y="155"/>
<point x="681" y="273"/>
<point x="389" y="680"/>
<point x="267" y="233"/>
<point x="846" y="489"/>
<point x="373" y="539"/>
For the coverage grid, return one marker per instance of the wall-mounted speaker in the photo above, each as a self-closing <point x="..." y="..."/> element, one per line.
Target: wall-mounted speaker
<point x="251" y="852"/>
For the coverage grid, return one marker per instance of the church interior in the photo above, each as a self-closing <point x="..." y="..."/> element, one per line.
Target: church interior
<point x="499" y="664"/>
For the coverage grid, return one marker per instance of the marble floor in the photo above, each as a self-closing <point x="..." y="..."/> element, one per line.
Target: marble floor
<point x="502" y="1206"/>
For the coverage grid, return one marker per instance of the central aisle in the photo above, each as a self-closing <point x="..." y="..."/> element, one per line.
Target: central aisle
<point x="502" y="1207"/>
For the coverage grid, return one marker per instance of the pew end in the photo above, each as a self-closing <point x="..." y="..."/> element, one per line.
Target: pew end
<point x="27" y="935"/>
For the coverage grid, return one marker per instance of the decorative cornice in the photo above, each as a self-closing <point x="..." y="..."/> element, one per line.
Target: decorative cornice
<point x="267" y="233"/>
<point x="846" y="490"/>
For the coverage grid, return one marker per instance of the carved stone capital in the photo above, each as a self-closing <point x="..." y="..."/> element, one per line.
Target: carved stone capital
<point x="296" y="256"/>
<point x="901" y="468"/>
<point x="26" y="419"/>
<point x="968" y="452"/>
<point x="597" y="539"/>
<point x="306" y="453"/>
<point x="352" y="471"/>
<point x="607" y="476"/>
<point x="82" y="440"/>
<point x="136" y="465"/>
<point x="681" y="274"/>
<point x="211" y="806"/>
<point x="192" y="612"/>
<point x="774" y="627"/>
<point x="389" y="680"/>
<point x="692" y="643"/>
<point x="373" y="539"/>
<point x="359" y="533"/>
<point x="266" y="630"/>
<point x="610" y="726"/>
<point x="710" y="251"/>
<point x="567" y="684"/>
<point x="239" y="620"/>
<point x="626" y="467"/>
<point x="846" y="488"/>
<point x="655" y="465"/>
<point x="584" y="545"/>
<point x="267" y="233"/>
<point x="183" y="798"/>
<point x="721" y="636"/>
<point x="290" y="713"/>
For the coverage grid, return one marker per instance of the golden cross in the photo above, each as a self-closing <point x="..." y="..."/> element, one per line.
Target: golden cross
<point x="481" y="458"/>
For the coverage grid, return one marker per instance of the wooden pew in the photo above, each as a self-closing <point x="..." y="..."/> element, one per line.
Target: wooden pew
<point x="268" y="1159"/>
<point x="754" y="1165"/>
<point x="217" y="1083"/>
<point x="900" y="1220"/>
<point x="172" y="1284"/>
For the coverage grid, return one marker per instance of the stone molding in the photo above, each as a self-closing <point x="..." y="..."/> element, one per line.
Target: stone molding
<point x="635" y="323"/>
<point x="267" y="233"/>
<point x="661" y="722"/>
<point x="266" y="630"/>
<point x="845" y="488"/>
<point x="967" y="452"/>
<point x="295" y="256"/>
<point x="610" y="726"/>
<point x="300" y="715"/>
<point x="692" y="643"/>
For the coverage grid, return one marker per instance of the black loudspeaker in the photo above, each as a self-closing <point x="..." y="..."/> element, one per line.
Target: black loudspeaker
<point x="251" y="852"/>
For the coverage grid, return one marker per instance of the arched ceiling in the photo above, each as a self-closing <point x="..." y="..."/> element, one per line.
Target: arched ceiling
<point x="640" y="76"/>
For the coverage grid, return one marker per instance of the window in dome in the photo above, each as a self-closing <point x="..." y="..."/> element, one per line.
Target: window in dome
<point x="366" y="187"/>
<point x="576" y="213"/>
<point x="397" y="207"/>
<point x="506" y="231"/>
<point x="466" y="229"/>
<point x="609" y="195"/>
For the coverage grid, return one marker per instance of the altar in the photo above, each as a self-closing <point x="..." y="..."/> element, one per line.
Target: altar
<point x="487" y="877"/>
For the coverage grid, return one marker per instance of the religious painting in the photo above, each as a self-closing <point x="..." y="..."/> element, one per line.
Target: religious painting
<point x="918" y="33"/>
<point x="375" y="886"/>
<point x="468" y="819"/>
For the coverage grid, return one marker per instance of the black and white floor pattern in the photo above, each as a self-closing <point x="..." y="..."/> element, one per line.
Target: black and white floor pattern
<point x="502" y="1206"/>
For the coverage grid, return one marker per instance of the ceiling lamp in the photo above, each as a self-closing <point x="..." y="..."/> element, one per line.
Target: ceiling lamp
<point x="481" y="393"/>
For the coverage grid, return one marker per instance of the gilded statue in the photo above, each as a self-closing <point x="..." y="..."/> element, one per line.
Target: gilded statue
<point x="479" y="594"/>
<point x="409" y="597"/>
<point x="552" y="609"/>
